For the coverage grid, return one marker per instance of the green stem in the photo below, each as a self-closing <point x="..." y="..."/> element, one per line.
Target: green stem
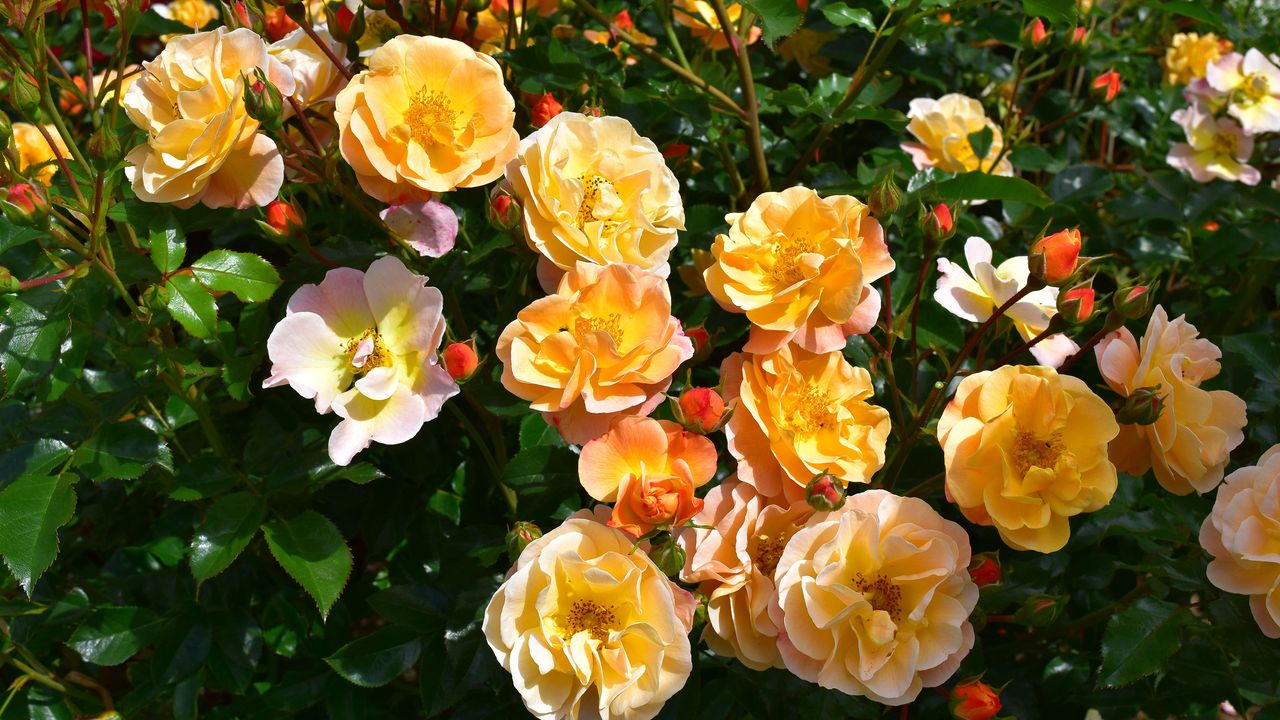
<point x="747" y="81"/>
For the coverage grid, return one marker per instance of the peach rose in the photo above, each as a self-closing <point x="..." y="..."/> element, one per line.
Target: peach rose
<point x="800" y="267"/>
<point x="603" y="346"/>
<point x="800" y="414"/>
<point x="33" y="149"/>
<point x="202" y="146"/>
<point x="1242" y="533"/>
<point x="1026" y="448"/>
<point x="649" y="470"/>
<point x="1191" y="442"/>
<point x="943" y="127"/>
<point x="316" y="78"/>
<point x="429" y="115"/>
<point x="701" y="19"/>
<point x="588" y="626"/>
<point x="874" y="599"/>
<point x="731" y="551"/>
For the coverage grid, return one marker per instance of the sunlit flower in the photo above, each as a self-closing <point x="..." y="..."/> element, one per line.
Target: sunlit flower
<point x="429" y="115"/>
<point x="33" y="149"/>
<point x="731" y="552"/>
<point x="1242" y="533"/>
<point x="593" y="190"/>
<point x="1252" y="82"/>
<point x="195" y="14"/>
<point x="943" y="127"/>
<point x="1191" y="442"/>
<point x="316" y="78"/>
<point x="1189" y="54"/>
<point x="588" y="626"/>
<point x="801" y="414"/>
<point x="874" y="599"/>
<point x="1025" y="449"/>
<point x="801" y="267"/>
<point x="975" y="295"/>
<point x="1216" y="148"/>
<point x="201" y="144"/>
<point x="700" y="17"/>
<point x="364" y="344"/>
<point x="649" y="470"/>
<point x="603" y="346"/>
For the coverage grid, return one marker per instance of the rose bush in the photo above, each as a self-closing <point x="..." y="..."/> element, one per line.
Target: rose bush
<point x="828" y="358"/>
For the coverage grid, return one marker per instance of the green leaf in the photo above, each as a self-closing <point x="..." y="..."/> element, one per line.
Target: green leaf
<point x="190" y="304"/>
<point x="168" y="246"/>
<point x="313" y="552"/>
<point x="122" y="451"/>
<point x="981" y="186"/>
<point x="228" y="529"/>
<point x="31" y="511"/>
<point x="535" y="431"/>
<point x="41" y="457"/>
<point x="377" y="659"/>
<point x="32" y="328"/>
<point x="1190" y="9"/>
<point x="842" y="15"/>
<point x="446" y="504"/>
<point x="1081" y="182"/>
<point x="115" y="634"/>
<point x="981" y="142"/>
<point x="1055" y="11"/>
<point x="1139" y="641"/>
<point x="779" y="17"/>
<point x="417" y="607"/>
<point x="251" y="278"/>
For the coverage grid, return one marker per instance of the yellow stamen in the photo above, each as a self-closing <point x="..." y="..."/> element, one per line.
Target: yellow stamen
<point x="1255" y="87"/>
<point x="378" y="355"/>
<point x="427" y="112"/>
<point x="590" y="197"/>
<point x="769" y="551"/>
<point x="587" y="615"/>
<point x="811" y="412"/>
<point x="881" y="593"/>
<point x="787" y="249"/>
<point x="1030" y="451"/>
<point x="611" y="326"/>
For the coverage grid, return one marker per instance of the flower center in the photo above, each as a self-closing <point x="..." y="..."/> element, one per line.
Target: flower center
<point x="881" y="593"/>
<point x="1030" y="451"/>
<point x="430" y="118"/>
<point x="811" y="412"/>
<point x="610" y="325"/>
<point x="769" y="551"/>
<point x="1225" y="144"/>
<point x="787" y="249"/>
<point x="368" y="352"/>
<point x="592" y="185"/>
<point x="1255" y="87"/>
<point x="590" y="616"/>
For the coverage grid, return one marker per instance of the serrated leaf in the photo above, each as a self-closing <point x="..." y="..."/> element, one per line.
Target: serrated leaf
<point x="1139" y="640"/>
<point x="32" y="328"/>
<point x="190" y="304"/>
<point x="115" y="634"/>
<point x="251" y="278"/>
<point x="377" y="659"/>
<point x="778" y="17"/>
<point x="535" y="431"/>
<point x="313" y="552"/>
<point x="842" y="15"/>
<point x="983" y="186"/>
<point x="122" y="451"/>
<point x="31" y="511"/>
<point x="41" y="457"/>
<point x="168" y="245"/>
<point x="228" y="528"/>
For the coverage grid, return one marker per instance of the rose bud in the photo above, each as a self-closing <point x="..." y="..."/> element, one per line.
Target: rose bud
<point x="885" y="198"/>
<point x="1143" y="407"/>
<point x="1211" y="226"/>
<point x="937" y="225"/>
<point x="344" y="25"/>
<point x="985" y="569"/>
<point x="522" y="533"/>
<point x="1076" y="305"/>
<point x="282" y="220"/>
<point x="277" y="23"/>
<point x="244" y="17"/>
<point x="1080" y="37"/>
<point x="504" y="209"/>
<point x="460" y="360"/>
<point x="701" y="409"/>
<point x="1133" y="302"/>
<point x="1054" y="257"/>
<point x="974" y="700"/>
<point x="1036" y="35"/>
<point x="701" y="340"/>
<point x="23" y="204"/>
<point x="262" y="100"/>
<point x="1106" y="85"/>
<point x="669" y="557"/>
<point x="1041" y="609"/>
<point x="543" y="110"/>
<point x="824" y="493"/>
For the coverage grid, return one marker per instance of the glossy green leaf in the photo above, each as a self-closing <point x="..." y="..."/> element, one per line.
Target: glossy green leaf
<point x="190" y="304"/>
<point x="32" y="328"/>
<point x="122" y="451"/>
<point x="778" y="17"/>
<point x="248" y="276"/>
<point x="841" y="15"/>
<point x="31" y="511"/>
<point x="115" y="634"/>
<point x="982" y="186"/>
<point x="1058" y="12"/>
<point x="313" y="552"/>
<point x="168" y="245"/>
<point x="1139" y="641"/>
<point x="377" y="659"/>
<point x="228" y="528"/>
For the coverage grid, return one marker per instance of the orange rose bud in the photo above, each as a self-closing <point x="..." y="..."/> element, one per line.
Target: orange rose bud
<point x="543" y="110"/>
<point x="701" y="409"/>
<point x="1133" y="302"/>
<point x="1080" y="37"/>
<point x="522" y="533"/>
<point x="700" y="338"/>
<point x="985" y="569"/>
<point x="460" y="360"/>
<point x="1106" y="85"/>
<point x="277" y="23"/>
<point x="1036" y="34"/>
<point x="282" y="219"/>
<point x="1054" y="257"/>
<point x="974" y="700"/>
<point x="1076" y="305"/>
<point x="623" y="20"/>
<point x="1211" y="226"/>
<point x="938" y="225"/>
<point x="824" y="493"/>
<point x="504" y="210"/>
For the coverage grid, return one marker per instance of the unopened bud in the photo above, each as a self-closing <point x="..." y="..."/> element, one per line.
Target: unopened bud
<point x="1106" y="86"/>
<point x="8" y="283"/>
<point x="1080" y="37"/>
<point x="1041" y="609"/>
<point x="1054" y="257"/>
<point x="104" y="146"/>
<point x="885" y="198"/>
<point x="283" y="220"/>
<point x="522" y="533"/>
<point x="504" y="209"/>
<point x="701" y="343"/>
<point x="344" y="25"/>
<point x="1076" y="305"/>
<point x="1036" y="35"/>
<point x="6" y="130"/>
<point x="974" y="700"/>
<point x="543" y="109"/>
<point x="262" y="100"/>
<point x="1133" y="302"/>
<point x="701" y="409"/>
<point x="937" y="225"/>
<point x="23" y="204"/>
<point x="985" y="569"/>
<point x="460" y="360"/>
<point x="824" y="493"/>
<point x="669" y="557"/>
<point x="1143" y="406"/>
<point x="277" y="23"/>
<point x="24" y="94"/>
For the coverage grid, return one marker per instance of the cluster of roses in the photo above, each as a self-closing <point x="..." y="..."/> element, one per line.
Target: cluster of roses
<point x="1232" y="99"/>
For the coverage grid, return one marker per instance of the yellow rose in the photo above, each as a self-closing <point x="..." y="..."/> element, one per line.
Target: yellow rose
<point x="429" y="115"/>
<point x="33" y="149"/>
<point x="800" y="414"/>
<point x="874" y="599"/>
<point x="1026" y="448"/>
<point x="594" y="190"/>
<point x="731" y="551"/>
<point x="701" y="19"/>
<point x="1189" y="54"/>
<point x="195" y="14"/>
<point x="800" y="266"/>
<point x="603" y="346"/>
<point x="943" y="127"/>
<point x="201" y="144"/>
<point x="316" y="79"/>
<point x="1191" y="442"/>
<point x="1242" y="533"/>
<point x="588" y="626"/>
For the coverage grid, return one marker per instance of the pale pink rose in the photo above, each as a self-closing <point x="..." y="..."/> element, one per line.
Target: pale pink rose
<point x="1243" y="535"/>
<point x="431" y="227"/>
<point x="1252" y="84"/>
<point x="732" y="558"/>
<point x="1215" y="148"/>
<point x="974" y="297"/>
<point x="1191" y="442"/>
<point x="364" y="345"/>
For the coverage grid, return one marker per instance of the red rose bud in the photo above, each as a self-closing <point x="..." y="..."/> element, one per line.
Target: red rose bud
<point x="460" y="360"/>
<point x="974" y="700"/>
<point x="623" y="20"/>
<point x="543" y="110"/>
<point x="824" y="493"/>
<point x="701" y="340"/>
<point x="23" y="204"/>
<point x="262" y="100"/>
<point x="675" y="151"/>
<point x="1076" y="305"/>
<point x="1080" y="37"/>
<point x="1106" y="85"/>
<point x="1133" y="302"/>
<point x="503" y="210"/>
<point x="1143" y="407"/>
<point x="346" y="27"/>
<point x="985" y="569"/>
<point x="1211" y="226"/>
<point x="885" y="198"/>
<point x="1040" y="610"/>
<point x="1054" y="257"/>
<point x="1036" y="35"/>
<point x="282" y="219"/>
<point x="701" y="409"/>
<point x="938" y="225"/>
<point x="522" y="533"/>
<point x="669" y="557"/>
